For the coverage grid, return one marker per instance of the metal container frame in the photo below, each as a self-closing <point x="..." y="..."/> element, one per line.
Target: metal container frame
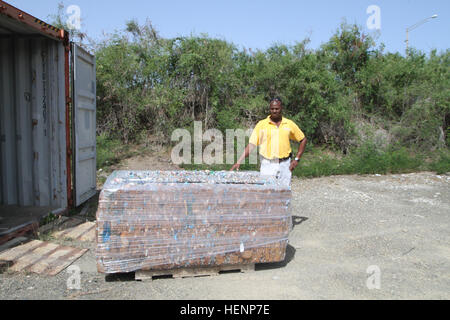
<point x="35" y="64"/>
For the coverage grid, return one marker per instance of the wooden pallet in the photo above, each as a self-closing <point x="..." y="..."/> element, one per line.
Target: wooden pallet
<point x="39" y="257"/>
<point x="142" y="275"/>
<point x="18" y="232"/>
<point x="82" y="232"/>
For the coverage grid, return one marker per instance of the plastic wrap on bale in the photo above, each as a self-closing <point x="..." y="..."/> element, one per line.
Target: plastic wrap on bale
<point x="162" y="220"/>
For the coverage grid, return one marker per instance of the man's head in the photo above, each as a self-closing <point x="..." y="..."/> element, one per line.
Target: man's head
<point x="276" y="109"/>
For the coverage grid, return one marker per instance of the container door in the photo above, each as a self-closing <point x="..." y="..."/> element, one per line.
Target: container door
<point x="84" y="125"/>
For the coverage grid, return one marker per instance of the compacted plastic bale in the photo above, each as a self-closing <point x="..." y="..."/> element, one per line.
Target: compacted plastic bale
<point x="162" y="220"/>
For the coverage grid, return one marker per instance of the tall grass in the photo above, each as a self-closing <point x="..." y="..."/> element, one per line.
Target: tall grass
<point x="369" y="159"/>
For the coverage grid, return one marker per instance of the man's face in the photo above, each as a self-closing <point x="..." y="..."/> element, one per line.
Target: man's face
<point x="276" y="110"/>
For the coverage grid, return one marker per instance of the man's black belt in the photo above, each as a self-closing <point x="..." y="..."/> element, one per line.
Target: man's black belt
<point x="280" y="160"/>
<point x="286" y="159"/>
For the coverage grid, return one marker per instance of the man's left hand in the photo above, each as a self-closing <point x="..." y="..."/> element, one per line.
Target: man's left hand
<point x="294" y="165"/>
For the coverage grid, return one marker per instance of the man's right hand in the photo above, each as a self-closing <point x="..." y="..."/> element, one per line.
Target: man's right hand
<point x="235" y="167"/>
<point x="246" y="153"/>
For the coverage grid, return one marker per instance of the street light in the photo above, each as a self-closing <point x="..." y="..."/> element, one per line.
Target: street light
<point x="414" y="26"/>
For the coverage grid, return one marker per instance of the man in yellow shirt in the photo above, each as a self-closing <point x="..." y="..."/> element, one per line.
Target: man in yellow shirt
<point x="273" y="136"/>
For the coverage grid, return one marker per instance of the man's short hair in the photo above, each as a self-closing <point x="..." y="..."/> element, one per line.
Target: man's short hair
<point x="276" y="99"/>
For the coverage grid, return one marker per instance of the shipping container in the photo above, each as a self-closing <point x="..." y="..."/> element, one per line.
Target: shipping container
<point x="47" y="121"/>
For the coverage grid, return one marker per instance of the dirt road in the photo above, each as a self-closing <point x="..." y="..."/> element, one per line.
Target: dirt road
<point x="354" y="237"/>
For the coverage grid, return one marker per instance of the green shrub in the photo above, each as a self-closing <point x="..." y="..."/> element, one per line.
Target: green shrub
<point x="107" y="150"/>
<point x="442" y="164"/>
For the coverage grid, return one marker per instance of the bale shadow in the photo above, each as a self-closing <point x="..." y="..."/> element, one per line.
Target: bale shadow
<point x="120" y="277"/>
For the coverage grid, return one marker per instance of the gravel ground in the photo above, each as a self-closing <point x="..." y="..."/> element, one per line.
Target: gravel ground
<point x="348" y="232"/>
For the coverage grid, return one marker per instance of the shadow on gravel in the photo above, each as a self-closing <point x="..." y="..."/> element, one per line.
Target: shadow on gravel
<point x="296" y="220"/>
<point x="290" y="254"/>
<point x="120" y="277"/>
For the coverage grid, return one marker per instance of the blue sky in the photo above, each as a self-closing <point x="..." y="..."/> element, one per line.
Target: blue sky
<point x="259" y="24"/>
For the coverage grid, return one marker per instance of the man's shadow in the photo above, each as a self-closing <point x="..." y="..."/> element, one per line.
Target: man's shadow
<point x="296" y="220"/>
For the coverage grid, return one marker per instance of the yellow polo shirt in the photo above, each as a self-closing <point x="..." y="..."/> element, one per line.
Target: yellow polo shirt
<point x="274" y="142"/>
